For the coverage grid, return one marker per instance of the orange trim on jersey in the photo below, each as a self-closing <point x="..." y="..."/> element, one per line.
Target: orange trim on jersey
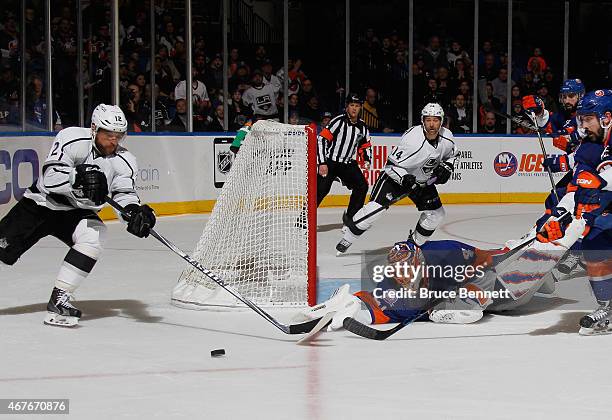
<point x="326" y="134"/>
<point x="571" y="188"/>
<point x="600" y="268"/>
<point x="588" y="180"/>
<point x="378" y="316"/>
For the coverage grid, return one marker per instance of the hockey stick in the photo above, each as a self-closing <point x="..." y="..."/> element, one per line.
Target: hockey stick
<point x="287" y="329"/>
<point x="392" y="202"/>
<point x="516" y="120"/>
<point x="550" y="176"/>
<point x="356" y="327"/>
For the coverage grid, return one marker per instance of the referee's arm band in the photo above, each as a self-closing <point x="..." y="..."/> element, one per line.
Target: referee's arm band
<point x="326" y="134"/>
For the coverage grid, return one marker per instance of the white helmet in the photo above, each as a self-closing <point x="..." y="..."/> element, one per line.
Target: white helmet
<point x="432" y="110"/>
<point x="108" y="117"/>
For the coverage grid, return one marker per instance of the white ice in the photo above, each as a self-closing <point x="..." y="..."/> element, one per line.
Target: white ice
<point x="136" y="356"/>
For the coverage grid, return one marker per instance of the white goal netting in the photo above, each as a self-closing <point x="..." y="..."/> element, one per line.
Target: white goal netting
<point x="257" y="237"/>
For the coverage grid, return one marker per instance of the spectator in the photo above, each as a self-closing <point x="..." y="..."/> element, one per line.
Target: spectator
<point x="489" y="99"/>
<point x="215" y="122"/>
<point x="434" y="55"/>
<point x="179" y="122"/>
<point x="466" y="90"/>
<point x="371" y="115"/>
<point x="460" y="116"/>
<point x="294" y="101"/>
<point x="261" y="98"/>
<point x="137" y="111"/>
<point x="168" y="64"/>
<point x="311" y="111"/>
<point x="238" y="112"/>
<point x="455" y="53"/>
<point x="445" y="86"/>
<point x="260" y="57"/>
<point x="201" y="101"/>
<point x="294" y="118"/>
<point x="214" y="75"/>
<point x="490" y="125"/>
<point x="240" y="80"/>
<point x="306" y="92"/>
<point x="432" y="95"/>
<point x="161" y="111"/>
<point x="537" y="56"/>
<point x="141" y="81"/>
<point x="163" y="78"/>
<point x="459" y="72"/>
<point x="169" y="38"/>
<point x="325" y="119"/>
<point x="517" y="113"/>
<point x="500" y="86"/>
<point x="549" y="102"/>
<point x="489" y="68"/>
<point x="199" y="64"/>
<point x="9" y="39"/>
<point x="268" y="77"/>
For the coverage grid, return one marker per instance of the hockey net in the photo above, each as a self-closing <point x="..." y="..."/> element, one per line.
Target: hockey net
<point x="260" y="238"/>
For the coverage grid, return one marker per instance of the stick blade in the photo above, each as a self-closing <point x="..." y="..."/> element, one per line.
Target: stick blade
<point x="363" y="330"/>
<point x="303" y="328"/>
<point x="323" y="323"/>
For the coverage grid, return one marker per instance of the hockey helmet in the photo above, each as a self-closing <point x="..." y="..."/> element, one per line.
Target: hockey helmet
<point x="107" y="117"/>
<point x="411" y="260"/>
<point x="432" y="110"/>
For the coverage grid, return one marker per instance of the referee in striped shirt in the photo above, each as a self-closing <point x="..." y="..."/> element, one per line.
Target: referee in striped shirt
<point x="344" y="146"/>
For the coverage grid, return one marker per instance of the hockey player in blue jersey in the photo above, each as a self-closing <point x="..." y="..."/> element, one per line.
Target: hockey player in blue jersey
<point x="591" y="201"/>
<point x="449" y="281"/>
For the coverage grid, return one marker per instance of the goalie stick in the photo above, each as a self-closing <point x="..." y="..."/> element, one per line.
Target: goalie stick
<point x="302" y="328"/>
<point x="360" y="329"/>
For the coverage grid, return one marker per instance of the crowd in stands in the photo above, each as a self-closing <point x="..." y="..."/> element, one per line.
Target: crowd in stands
<point x="443" y="72"/>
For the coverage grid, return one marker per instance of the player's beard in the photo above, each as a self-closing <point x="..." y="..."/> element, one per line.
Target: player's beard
<point x="595" y="137"/>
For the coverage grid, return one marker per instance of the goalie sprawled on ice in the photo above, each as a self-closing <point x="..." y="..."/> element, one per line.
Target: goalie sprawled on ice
<point x="451" y="281"/>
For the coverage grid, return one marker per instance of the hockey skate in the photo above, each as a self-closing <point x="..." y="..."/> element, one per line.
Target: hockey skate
<point x="342" y="246"/>
<point x="60" y="312"/>
<point x="598" y="321"/>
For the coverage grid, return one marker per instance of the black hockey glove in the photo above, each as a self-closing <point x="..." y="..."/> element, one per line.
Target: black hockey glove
<point x="141" y="221"/>
<point x="442" y="172"/>
<point x="408" y="182"/>
<point x="90" y="182"/>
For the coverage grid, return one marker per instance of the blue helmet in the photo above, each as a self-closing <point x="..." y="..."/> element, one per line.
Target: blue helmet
<point x="596" y="103"/>
<point x="572" y="86"/>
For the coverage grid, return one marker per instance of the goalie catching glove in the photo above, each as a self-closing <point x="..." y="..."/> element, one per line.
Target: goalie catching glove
<point x="89" y="182"/>
<point x="141" y="221"/>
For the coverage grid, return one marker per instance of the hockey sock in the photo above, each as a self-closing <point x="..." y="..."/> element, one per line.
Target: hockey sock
<point x="427" y="224"/>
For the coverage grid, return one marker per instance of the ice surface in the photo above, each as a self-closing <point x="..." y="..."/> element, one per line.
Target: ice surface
<point x="136" y="356"/>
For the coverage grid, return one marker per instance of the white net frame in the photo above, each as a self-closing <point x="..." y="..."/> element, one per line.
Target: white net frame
<point x="258" y="238"/>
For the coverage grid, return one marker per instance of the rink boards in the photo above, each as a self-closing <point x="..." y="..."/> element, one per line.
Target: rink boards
<point x="184" y="173"/>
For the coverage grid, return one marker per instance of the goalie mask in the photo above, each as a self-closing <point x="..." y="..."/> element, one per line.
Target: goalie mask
<point x="410" y="263"/>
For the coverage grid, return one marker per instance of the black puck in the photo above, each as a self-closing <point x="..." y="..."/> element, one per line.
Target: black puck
<point x="217" y="353"/>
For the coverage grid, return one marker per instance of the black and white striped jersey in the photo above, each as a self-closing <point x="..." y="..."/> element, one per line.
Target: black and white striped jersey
<point x="418" y="156"/>
<point x="71" y="147"/>
<point x="342" y="141"/>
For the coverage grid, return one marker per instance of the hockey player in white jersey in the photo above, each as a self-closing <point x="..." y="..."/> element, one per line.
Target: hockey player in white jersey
<point x="425" y="156"/>
<point x="83" y="167"/>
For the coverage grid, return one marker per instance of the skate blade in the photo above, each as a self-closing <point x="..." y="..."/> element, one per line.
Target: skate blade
<point x="592" y="331"/>
<point x="58" y="320"/>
